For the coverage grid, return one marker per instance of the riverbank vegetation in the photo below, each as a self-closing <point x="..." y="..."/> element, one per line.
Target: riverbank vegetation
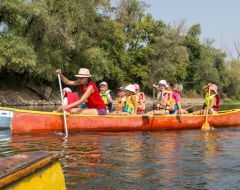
<point x="119" y="44"/>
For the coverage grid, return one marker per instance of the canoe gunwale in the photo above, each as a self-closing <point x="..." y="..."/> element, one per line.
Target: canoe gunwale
<point x="116" y="115"/>
<point x="28" y="168"/>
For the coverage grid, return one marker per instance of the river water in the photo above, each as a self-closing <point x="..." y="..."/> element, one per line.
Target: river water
<point x="188" y="159"/>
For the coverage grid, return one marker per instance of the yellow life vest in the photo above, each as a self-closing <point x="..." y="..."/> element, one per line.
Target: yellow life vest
<point x="210" y="98"/>
<point x="129" y="104"/>
<point x="104" y="96"/>
<point x="119" y="101"/>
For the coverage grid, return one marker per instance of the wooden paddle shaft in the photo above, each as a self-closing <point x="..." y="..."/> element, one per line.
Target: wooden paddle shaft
<point x="209" y="91"/>
<point x="153" y="98"/>
<point x="64" y="112"/>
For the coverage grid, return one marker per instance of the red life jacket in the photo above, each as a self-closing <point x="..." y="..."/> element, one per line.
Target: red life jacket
<point x="72" y="97"/>
<point x="94" y="100"/>
<point x="217" y="103"/>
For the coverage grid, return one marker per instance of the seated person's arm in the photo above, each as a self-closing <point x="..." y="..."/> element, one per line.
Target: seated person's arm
<point x="144" y="97"/>
<point x="109" y="97"/>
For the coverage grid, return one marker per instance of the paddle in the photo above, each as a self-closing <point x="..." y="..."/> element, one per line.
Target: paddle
<point x="64" y="112"/>
<point x="187" y="108"/>
<point x="206" y="126"/>
<point x="153" y="104"/>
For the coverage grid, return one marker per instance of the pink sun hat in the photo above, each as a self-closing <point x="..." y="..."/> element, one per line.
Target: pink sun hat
<point x="137" y="87"/>
<point x="214" y="88"/>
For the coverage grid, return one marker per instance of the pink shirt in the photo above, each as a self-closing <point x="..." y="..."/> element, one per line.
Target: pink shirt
<point x="176" y="96"/>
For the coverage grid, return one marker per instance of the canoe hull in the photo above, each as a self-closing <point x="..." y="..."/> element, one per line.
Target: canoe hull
<point x="45" y="122"/>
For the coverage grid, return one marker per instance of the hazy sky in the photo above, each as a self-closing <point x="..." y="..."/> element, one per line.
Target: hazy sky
<point x="219" y="19"/>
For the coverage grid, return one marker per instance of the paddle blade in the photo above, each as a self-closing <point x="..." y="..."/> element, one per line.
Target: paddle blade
<point x="206" y="126"/>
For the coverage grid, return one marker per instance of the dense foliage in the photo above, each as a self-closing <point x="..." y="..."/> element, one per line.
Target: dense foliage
<point x="119" y="44"/>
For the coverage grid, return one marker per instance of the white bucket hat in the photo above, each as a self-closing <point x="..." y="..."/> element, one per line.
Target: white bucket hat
<point x="163" y="82"/>
<point x="130" y="88"/>
<point x="103" y="83"/>
<point x="66" y="89"/>
<point x="83" y="72"/>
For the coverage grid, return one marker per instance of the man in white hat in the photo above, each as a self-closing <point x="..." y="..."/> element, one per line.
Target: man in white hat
<point x="89" y="92"/>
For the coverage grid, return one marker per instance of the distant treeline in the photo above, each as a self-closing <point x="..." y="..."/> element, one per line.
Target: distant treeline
<point x="119" y="44"/>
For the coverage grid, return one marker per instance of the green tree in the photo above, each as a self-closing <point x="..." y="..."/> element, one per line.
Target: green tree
<point x="232" y="79"/>
<point x="119" y="44"/>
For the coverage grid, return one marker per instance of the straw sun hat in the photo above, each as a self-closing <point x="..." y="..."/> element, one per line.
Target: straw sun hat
<point x="83" y="72"/>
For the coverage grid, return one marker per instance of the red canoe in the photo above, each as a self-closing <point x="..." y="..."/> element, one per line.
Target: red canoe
<point x="25" y="121"/>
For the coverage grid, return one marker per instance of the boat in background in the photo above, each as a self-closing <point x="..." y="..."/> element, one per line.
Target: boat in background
<point x="27" y="121"/>
<point x="32" y="170"/>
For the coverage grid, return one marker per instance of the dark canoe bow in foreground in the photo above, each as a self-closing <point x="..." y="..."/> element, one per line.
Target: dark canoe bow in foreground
<point x="32" y="170"/>
<point x="25" y="121"/>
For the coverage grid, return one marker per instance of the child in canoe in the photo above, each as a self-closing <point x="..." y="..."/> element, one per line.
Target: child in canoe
<point x="131" y="100"/>
<point x="213" y="99"/>
<point x="68" y="98"/>
<point x="141" y="99"/>
<point x="105" y="93"/>
<point x="175" y="106"/>
<point x="162" y="98"/>
<point x="121" y="101"/>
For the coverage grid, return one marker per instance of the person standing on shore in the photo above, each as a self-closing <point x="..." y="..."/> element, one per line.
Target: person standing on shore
<point x="89" y="91"/>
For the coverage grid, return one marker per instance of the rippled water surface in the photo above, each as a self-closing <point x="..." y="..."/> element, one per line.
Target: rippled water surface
<point x="140" y="160"/>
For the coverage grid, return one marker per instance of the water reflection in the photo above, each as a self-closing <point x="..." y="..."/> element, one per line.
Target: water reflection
<point x="140" y="160"/>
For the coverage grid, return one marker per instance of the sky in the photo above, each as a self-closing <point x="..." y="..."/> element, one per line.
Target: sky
<point x="219" y="19"/>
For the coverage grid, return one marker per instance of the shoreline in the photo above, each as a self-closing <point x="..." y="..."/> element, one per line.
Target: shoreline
<point x="25" y="98"/>
<point x="28" y="98"/>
